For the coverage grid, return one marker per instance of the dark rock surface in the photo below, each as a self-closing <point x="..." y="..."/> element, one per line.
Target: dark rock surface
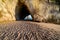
<point x="22" y="30"/>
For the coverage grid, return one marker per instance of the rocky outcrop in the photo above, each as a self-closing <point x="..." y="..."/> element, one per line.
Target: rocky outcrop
<point x="7" y="10"/>
<point x="44" y="10"/>
<point x="41" y="10"/>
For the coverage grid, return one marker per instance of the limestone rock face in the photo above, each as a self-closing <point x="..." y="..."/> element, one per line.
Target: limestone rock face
<point x="41" y="10"/>
<point x="7" y="10"/>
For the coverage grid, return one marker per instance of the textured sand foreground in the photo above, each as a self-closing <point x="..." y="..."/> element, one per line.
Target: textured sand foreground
<point x="26" y="30"/>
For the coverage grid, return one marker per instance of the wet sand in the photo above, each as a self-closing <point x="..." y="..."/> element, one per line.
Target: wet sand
<point x="26" y="30"/>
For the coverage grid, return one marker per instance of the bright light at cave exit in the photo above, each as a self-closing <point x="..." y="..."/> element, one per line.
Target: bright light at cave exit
<point x="29" y="17"/>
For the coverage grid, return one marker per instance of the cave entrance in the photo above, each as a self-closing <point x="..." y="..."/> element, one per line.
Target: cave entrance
<point x="23" y="13"/>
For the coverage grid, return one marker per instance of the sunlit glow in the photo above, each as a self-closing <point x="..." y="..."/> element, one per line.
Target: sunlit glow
<point x="29" y="17"/>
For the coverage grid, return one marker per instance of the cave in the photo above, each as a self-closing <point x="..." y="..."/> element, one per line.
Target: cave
<point x="22" y="12"/>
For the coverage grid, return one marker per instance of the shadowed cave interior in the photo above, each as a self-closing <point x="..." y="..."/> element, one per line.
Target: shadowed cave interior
<point x="22" y="13"/>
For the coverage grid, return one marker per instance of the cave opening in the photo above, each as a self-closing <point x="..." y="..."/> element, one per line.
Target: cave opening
<point x="23" y="13"/>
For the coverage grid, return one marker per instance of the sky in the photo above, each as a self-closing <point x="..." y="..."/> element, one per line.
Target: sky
<point x="29" y="17"/>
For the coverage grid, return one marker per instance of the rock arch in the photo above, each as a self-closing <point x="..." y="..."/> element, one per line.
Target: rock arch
<point x="21" y="11"/>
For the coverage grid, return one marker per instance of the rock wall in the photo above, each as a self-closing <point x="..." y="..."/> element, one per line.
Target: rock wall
<point x="44" y="10"/>
<point x="41" y="10"/>
<point x="7" y="10"/>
